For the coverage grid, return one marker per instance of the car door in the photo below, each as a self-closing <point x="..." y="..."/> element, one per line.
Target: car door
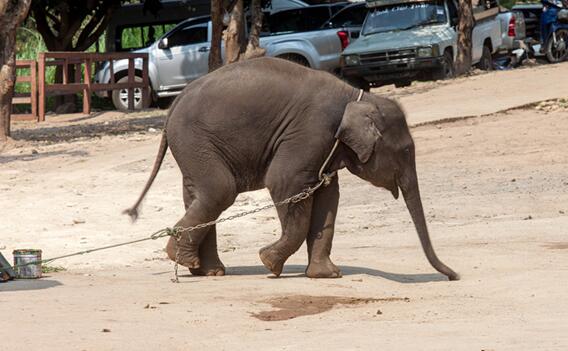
<point x="183" y="56"/>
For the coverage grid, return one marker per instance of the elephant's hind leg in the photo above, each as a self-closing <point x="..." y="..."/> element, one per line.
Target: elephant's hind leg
<point x="210" y="264"/>
<point x="201" y="207"/>
<point x="321" y="232"/>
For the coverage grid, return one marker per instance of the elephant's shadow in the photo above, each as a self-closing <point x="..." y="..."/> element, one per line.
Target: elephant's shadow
<point x="296" y="271"/>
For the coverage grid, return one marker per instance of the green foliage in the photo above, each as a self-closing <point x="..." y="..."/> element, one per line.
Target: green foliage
<point x="508" y="3"/>
<point x="52" y="269"/>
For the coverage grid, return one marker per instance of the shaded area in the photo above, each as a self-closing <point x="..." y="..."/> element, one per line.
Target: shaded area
<point x="63" y="133"/>
<point x="38" y="155"/>
<point x="298" y="271"/>
<point x="32" y="284"/>
<point x="292" y="306"/>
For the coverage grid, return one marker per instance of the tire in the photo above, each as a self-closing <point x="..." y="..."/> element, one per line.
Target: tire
<point x="359" y="83"/>
<point x="559" y="52"/>
<point x="486" y="60"/>
<point x="446" y="71"/>
<point x="296" y="59"/>
<point x="165" y="102"/>
<point x="403" y="83"/>
<point x="120" y="97"/>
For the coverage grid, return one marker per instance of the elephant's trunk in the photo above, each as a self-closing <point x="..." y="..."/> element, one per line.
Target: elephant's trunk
<point x="411" y="193"/>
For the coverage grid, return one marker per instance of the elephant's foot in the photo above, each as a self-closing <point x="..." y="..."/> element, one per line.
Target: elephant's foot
<point x="272" y="260"/>
<point x="323" y="269"/>
<point x="188" y="255"/>
<point x="210" y="268"/>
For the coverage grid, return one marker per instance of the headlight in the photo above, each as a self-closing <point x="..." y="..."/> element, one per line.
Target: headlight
<point x="351" y="60"/>
<point x="425" y="52"/>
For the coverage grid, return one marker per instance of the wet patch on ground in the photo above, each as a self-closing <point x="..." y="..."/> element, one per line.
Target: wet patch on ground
<point x="557" y="246"/>
<point x="293" y="306"/>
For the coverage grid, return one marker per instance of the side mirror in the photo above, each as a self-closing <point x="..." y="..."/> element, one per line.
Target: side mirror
<point x="163" y="44"/>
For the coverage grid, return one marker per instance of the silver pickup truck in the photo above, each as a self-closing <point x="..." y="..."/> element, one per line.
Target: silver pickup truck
<point x="181" y="55"/>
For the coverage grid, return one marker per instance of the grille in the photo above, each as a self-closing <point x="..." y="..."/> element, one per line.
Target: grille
<point x="388" y="56"/>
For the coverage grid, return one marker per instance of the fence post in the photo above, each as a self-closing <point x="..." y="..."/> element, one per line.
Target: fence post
<point x="41" y="83"/>
<point x="145" y="80"/>
<point x="130" y="81"/>
<point x="87" y="90"/>
<point x="33" y="89"/>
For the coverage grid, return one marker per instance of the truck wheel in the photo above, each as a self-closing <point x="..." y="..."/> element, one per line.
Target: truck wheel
<point x="557" y="52"/>
<point x="446" y="71"/>
<point x="296" y="59"/>
<point x="403" y="83"/>
<point x="359" y="83"/>
<point x="486" y="61"/>
<point x="120" y="97"/>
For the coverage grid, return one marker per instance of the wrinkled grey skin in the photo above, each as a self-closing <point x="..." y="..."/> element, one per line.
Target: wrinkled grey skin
<point x="271" y="123"/>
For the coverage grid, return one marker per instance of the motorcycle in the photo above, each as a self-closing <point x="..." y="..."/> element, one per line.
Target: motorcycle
<point x="554" y="30"/>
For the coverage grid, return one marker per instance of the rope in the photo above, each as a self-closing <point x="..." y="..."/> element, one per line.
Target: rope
<point x="159" y="234"/>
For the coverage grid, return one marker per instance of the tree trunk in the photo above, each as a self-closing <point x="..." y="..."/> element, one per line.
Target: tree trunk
<point x="235" y="34"/>
<point x="12" y="13"/>
<point x="253" y="47"/>
<point x="465" y="28"/>
<point x="215" y="58"/>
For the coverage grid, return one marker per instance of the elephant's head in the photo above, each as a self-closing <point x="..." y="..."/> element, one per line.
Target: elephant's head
<point x="376" y="132"/>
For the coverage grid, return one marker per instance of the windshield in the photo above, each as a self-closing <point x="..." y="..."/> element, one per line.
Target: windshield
<point x="404" y="16"/>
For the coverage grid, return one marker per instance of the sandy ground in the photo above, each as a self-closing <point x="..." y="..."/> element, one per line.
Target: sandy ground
<point x="495" y="189"/>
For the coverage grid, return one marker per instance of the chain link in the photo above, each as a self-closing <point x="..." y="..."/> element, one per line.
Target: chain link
<point x="177" y="232"/>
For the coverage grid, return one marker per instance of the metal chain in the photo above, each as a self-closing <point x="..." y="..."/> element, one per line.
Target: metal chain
<point x="177" y="232"/>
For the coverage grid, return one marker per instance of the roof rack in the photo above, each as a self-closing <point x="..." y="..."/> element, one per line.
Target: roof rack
<point x="377" y="3"/>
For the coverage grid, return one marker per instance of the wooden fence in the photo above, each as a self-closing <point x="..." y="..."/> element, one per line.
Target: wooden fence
<point x="83" y="65"/>
<point x="24" y="98"/>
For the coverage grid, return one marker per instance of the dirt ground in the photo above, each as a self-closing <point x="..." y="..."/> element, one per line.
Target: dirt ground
<point x="495" y="190"/>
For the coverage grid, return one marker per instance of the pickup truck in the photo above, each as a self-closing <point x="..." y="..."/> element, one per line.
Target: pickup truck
<point x="181" y="55"/>
<point x="406" y="40"/>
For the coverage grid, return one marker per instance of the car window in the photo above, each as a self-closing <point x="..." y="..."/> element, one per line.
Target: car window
<point x="404" y="16"/>
<point x="189" y="35"/>
<point x="299" y="20"/>
<point x="136" y="37"/>
<point x="353" y="16"/>
<point x="453" y="12"/>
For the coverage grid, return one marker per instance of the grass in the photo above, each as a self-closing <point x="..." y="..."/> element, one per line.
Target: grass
<point x="52" y="269"/>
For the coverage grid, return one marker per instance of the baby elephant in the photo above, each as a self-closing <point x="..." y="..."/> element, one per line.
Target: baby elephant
<point x="270" y="123"/>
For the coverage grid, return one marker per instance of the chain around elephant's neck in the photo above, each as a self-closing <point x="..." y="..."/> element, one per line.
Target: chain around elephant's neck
<point x="330" y="175"/>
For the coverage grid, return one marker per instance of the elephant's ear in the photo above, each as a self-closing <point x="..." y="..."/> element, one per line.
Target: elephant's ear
<point x="357" y="129"/>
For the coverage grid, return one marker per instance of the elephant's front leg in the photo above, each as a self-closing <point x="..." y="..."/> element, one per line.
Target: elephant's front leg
<point x="321" y="232"/>
<point x="295" y="222"/>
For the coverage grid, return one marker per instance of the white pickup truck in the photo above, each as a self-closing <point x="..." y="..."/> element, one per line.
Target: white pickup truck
<point x="181" y="55"/>
<point x="406" y="40"/>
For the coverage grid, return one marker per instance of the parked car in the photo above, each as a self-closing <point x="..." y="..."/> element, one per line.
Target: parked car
<point x="181" y="55"/>
<point x="531" y="13"/>
<point x="513" y="30"/>
<point x="131" y="28"/>
<point x="406" y="40"/>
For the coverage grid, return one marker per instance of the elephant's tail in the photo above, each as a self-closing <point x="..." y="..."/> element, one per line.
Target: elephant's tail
<point x="133" y="211"/>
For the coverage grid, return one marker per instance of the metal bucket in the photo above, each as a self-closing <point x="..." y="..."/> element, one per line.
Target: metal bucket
<point x="22" y="257"/>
